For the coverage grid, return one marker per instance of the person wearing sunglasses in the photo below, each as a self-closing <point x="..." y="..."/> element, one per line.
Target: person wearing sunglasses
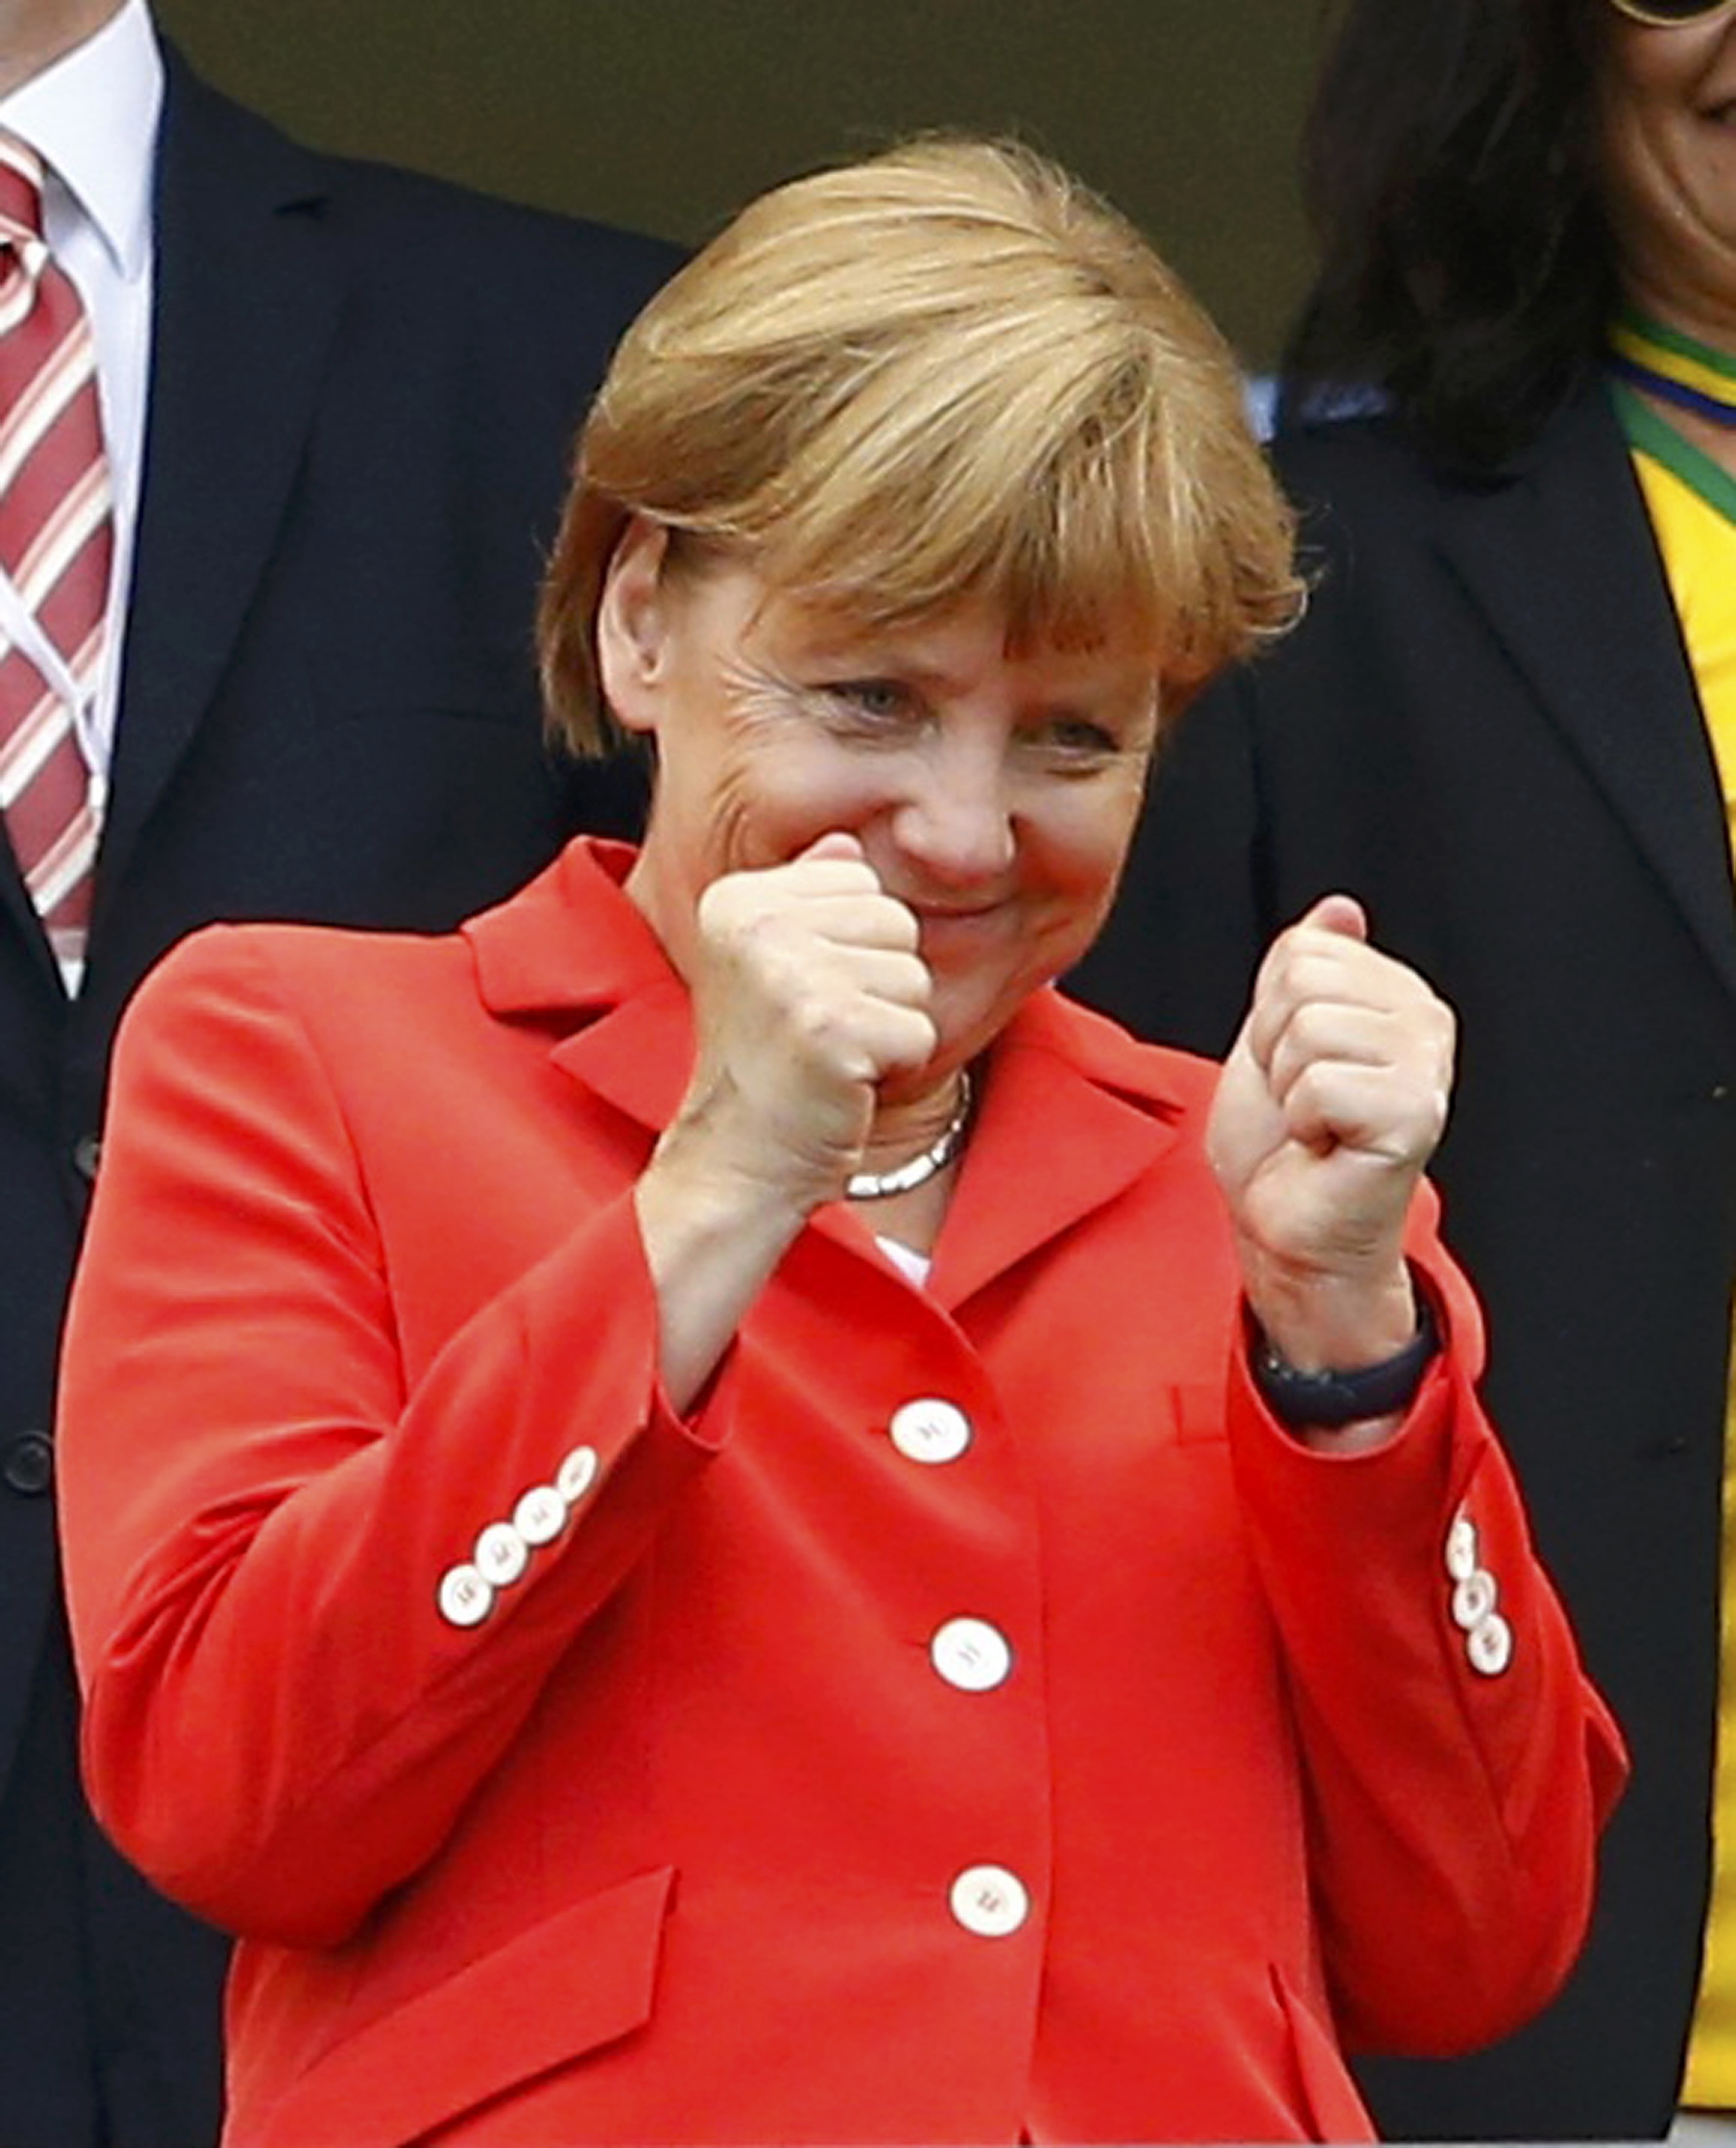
<point x="1508" y="725"/>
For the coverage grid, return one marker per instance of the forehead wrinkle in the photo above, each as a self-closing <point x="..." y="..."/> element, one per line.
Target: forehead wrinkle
<point x="834" y="639"/>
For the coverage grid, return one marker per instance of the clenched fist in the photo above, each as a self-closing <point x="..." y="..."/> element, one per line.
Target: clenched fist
<point x="1329" y="1105"/>
<point x="807" y="992"/>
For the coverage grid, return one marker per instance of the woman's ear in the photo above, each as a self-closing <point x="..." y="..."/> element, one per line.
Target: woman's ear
<point x="633" y="626"/>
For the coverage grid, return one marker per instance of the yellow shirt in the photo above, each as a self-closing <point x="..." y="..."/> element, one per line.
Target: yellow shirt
<point x="1692" y="504"/>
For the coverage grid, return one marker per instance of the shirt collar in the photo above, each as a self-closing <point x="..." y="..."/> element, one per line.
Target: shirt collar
<point x="93" y="118"/>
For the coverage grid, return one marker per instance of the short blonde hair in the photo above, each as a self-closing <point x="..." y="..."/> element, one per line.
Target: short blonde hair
<point x="948" y="373"/>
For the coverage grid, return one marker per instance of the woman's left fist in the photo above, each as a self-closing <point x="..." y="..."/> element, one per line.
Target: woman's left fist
<point x="1329" y="1105"/>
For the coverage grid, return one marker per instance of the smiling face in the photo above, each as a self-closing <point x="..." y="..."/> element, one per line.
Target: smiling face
<point x="995" y="795"/>
<point x="1668" y="100"/>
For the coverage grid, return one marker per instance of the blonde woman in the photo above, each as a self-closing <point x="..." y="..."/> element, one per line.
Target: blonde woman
<point x="703" y="1512"/>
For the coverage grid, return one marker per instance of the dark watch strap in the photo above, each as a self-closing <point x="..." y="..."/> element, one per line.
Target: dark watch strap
<point x="1326" y="1400"/>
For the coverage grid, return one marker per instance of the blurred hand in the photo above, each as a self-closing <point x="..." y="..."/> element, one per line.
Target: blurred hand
<point x="1329" y="1105"/>
<point x="808" y="991"/>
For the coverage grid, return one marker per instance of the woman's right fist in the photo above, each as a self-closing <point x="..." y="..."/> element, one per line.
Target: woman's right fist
<point x="808" y="991"/>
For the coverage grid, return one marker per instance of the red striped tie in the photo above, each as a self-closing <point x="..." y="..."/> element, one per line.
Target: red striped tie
<point x="56" y="538"/>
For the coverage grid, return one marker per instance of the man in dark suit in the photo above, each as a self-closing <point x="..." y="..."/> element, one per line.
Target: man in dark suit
<point x="339" y="421"/>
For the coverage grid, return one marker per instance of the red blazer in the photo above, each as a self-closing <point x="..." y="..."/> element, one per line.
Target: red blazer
<point x="575" y="1774"/>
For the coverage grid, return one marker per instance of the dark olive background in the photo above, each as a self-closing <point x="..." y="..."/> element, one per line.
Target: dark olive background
<point x="665" y="114"/>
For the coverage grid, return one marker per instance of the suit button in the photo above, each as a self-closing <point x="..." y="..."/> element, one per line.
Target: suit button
<point x="540" y="1515"/>
<point x="1473" y="1599"/>
<point x="972" y="1655"/>
<point x="28" y="1464"/>
<point x="501" y="1554"/>
<point x="1490" y="1646"/>
<point x="466" y="1598"/>
<point x="990" y="1901"/>
<point x="1462" y="1547"/>
<point x="86" y="1154"/>
<point x="930" y="1430"/>
<point x="576" y="1474"/>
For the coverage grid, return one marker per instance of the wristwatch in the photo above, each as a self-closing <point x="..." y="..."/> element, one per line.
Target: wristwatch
<point x="1325" y="1400"/>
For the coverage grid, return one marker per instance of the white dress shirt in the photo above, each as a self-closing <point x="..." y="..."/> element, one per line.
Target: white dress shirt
<point x="91" y="117"/>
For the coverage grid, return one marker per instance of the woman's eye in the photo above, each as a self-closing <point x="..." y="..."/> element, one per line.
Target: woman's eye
<point x="876" y="698"/>
<point x="1076" y="739"/>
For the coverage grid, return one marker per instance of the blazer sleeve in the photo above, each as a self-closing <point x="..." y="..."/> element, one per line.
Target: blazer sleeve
<point x="1459" y="1763"/>
<point x="284" y="1714"/>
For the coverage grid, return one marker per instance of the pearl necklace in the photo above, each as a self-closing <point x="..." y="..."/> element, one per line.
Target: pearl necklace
<point x="874" y="1186"/>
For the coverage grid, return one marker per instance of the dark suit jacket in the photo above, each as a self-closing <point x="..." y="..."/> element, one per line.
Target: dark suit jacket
<point x="363" y="389"/>
<point x="1486" y="728"/>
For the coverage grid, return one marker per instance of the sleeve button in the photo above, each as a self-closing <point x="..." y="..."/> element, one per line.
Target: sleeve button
<point x="540" y="1515"/>
<point x="1490" y="1646"/>
<point x="1462" y="1547"/>
<point x="466" y="1598"/>
<point x="1473" y="1599"/>
<point x="501" y="1554"/>
<point x="576" y="1474"/>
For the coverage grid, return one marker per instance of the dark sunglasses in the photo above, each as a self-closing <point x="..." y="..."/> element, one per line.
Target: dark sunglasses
<point x="1666" y="14"/>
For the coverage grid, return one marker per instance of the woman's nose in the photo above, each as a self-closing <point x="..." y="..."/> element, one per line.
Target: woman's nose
<point x="958" y="823"/>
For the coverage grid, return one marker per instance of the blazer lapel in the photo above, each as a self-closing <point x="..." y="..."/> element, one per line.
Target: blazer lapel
<point x="1073" y="1110"/>
<point x="21" y="912"/>
<point x="1070" y="1118"/>
<point x="571" y="952"/>
<point x="1057" y="1134"/>
<point x="246" y="299"/>
<point x="1562" y="562"/>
